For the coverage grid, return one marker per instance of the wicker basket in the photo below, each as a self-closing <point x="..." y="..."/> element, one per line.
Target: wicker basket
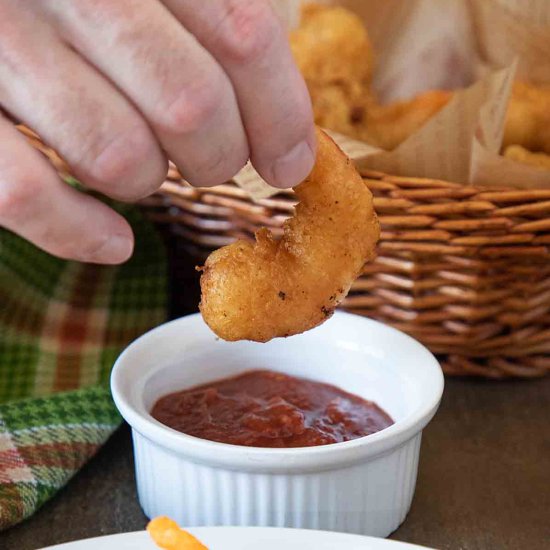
<point x="465" y="270"/>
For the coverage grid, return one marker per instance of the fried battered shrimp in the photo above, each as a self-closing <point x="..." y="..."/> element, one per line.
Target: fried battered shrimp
<point x="167" y="534"/>
<point x="528" y="117"/>
<point x="387" y="126"/>
<point x="332" y="45"/>
<point x="271" y="288"/>
<point x="334" y="54"/>
<point x="520" y="154"/>
<point x="342" y="109"/>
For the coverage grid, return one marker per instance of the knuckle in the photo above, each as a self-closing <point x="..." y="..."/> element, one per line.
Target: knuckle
<point x="98" y="11"/>
<point x="295" y="121"/>
<point x="14" y="52"/>
<point x="90" y="249"/>
<point x="292" y="125"/>
<point x="16" y="195"/>
<point x="247" y="31"/>
<point x="194" y="106"/>
<point x="116" y="161"/>
<point x="216" y="168"/>
<point x="78" y="249"/>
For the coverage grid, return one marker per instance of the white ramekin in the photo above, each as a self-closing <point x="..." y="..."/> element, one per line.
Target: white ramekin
<point x="363" y="486"/>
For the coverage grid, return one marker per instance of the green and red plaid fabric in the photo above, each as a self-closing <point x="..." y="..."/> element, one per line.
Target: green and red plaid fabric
<point x="62" y="325"/>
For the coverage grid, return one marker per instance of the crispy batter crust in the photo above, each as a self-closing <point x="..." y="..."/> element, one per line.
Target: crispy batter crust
<point x="334" y="54"/>
<point x="272" y="288"/>
<point x="520" y="154"/>
<point x="387" y="126"/>
<point x="528" y="117"/>
<point x="331" y="45"/>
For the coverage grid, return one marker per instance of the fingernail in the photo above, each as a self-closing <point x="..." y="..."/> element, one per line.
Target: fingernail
<point x="294" y="167"/>
<point x="115" y="250"/>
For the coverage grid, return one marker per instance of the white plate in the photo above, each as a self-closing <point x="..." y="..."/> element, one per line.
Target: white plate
<point x="246" y="538"/>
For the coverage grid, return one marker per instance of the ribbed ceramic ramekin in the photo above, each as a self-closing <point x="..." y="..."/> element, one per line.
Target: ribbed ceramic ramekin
<point x="363" y="486"/>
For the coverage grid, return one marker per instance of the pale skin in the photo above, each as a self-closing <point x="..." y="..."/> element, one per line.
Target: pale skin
<point x="118" y="87"/>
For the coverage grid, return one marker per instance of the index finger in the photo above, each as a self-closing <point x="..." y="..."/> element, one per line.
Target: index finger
<point x="248" y="40"/>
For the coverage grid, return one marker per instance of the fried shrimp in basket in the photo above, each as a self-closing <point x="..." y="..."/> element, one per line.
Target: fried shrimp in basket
<point x="528" y="117"/>
<point x="271" y="288"/>
<point x="387" y="126"/>
<point x="167" y="534"/>
<point x="334" y="54"/>
<point x="520" y="154"/>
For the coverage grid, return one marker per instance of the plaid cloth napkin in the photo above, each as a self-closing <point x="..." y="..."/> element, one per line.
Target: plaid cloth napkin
<point x="62" y="325"/>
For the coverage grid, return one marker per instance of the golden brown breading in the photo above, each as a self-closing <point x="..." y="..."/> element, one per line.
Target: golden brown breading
<point x="520" y="154"/>
<point x="271" y="288"/>
<point x="332" y="45"/>
<point x="387" y="126"/>
<point x="528" y="117"/>
<point x="342" y="108"/>
<point x="334" y="54"/>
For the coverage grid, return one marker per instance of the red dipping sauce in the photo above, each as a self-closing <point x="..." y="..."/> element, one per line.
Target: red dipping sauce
<point x="269" y="409"/>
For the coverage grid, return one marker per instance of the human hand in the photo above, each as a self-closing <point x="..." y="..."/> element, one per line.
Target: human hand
<point x="116" y="87"/>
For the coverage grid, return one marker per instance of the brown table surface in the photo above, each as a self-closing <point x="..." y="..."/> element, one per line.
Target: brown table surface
<point x="483" y="482"/>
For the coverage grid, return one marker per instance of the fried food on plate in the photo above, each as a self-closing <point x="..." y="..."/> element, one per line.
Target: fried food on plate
<point x="333" y="51"/>
<point x="520" y="154"/>
<point x="387" y="126"/>
<point x="167" y="534"/>
<point x="528" y="117"/>
<point x="272" y="288"/>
